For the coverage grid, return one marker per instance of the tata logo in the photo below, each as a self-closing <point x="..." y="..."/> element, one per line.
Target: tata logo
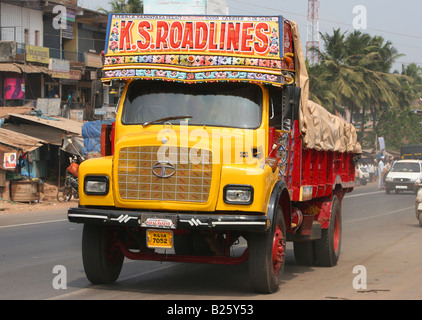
<point x="163" y="170"/>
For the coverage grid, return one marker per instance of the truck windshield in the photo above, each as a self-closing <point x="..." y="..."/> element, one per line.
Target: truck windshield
<point x="226" y="104"/>
<point x="406" y="167"/>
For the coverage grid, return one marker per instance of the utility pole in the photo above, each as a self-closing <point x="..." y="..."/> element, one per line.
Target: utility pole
<point x="312" y="40"/>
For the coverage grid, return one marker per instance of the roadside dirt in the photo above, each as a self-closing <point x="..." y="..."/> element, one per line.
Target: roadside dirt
<point x="48" y="201"/>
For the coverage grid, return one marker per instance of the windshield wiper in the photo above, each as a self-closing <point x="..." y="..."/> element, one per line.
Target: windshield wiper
<point x="166" y="119"/>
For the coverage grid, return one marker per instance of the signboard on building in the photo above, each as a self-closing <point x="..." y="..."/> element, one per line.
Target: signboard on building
<point x="67" y="32"/>
<point x="93" y="60"/>
<point x="60" y="68"/>
<point x="37" y="54"/>
<point x="72" y="3"/>
<point x="175" y="6"/>
<point x="14" y="89"/>
<point x="9" y="160"/>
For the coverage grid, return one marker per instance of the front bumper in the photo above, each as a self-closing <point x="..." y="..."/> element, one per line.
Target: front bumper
<point x="174" y="220"/>
<point x="401" y="186"/>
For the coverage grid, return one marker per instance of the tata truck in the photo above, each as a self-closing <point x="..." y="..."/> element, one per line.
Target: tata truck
<point x="216" y="154"/>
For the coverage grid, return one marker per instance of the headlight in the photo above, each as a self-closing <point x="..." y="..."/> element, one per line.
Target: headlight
<point x="388" y="179"/>
<point x="238" y="194"/>
<point x="96" y="185"/>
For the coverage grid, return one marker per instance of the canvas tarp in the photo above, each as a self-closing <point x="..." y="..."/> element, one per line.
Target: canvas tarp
<point x="321" y="130"/>
<point x="324" y="131"/>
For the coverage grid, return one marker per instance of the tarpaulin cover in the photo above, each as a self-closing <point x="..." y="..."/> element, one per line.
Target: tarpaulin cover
<point x="321" y="130"/>
<point x="91" y="133"/>
<point x="325" y="131"/>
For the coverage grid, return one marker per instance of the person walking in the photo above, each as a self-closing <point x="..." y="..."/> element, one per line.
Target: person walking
<point x="380" y="175"/>
<point x="371" y="169"/>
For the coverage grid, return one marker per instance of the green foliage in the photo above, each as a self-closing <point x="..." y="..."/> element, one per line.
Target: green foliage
<point x="400" y="127"/>
<point x="125" y="6"/>
<point x="354" y="75"/>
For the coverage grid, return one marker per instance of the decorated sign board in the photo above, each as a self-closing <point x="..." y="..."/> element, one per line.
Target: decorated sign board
<point x="199" y="48"/>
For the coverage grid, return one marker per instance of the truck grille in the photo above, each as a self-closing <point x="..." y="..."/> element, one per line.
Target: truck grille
<point x="183" y="180"/>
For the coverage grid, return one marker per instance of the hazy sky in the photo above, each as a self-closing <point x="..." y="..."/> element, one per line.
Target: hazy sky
<point x="397" y="21"/>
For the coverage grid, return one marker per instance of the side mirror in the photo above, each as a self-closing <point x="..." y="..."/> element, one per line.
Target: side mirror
<point x="292" y="101"/>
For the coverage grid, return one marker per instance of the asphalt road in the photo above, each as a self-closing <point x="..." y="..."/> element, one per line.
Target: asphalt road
<point x="40" y="258"/>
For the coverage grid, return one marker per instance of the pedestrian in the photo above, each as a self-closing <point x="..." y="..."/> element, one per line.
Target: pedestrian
<point x="371" y="169"/>
<point x="387" y="169"/>
<point x="380" y="173"/>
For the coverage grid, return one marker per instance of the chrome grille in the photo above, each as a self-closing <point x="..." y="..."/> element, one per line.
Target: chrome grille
<point x="190" y="182"/>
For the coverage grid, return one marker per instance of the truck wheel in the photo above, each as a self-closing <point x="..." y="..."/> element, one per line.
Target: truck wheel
<point x="266" y="256"/>
<point x="420" y="220"/>
<point x="102" y="262"/>
<point x="327" y="249"/>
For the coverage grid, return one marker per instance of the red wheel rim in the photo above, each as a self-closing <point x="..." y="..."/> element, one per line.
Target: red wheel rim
<point x="336" y="233"/>
<point x="278" y="249"/>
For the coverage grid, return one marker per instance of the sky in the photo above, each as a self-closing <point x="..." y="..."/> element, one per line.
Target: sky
<point x="399" y="22"/>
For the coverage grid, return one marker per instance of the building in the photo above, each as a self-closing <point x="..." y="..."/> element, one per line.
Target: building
<point x="52" y="49"/>
<point x="50" y="61"/>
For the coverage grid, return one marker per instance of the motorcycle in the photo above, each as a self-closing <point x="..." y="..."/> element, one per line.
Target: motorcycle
<point x="70" y="189"/>
<point x="418" y="206"/>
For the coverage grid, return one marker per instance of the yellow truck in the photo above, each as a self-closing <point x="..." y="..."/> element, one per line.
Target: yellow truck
<point x="216" y="155"/>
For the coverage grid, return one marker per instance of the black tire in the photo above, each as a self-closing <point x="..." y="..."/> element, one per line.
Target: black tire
<point x="327" y="249"/>
<point x="64" y="193"/>
<point x="265" y="269"/>
<point x="102" y="262"/>
<point x="304" y="253"/>
<point x="387" y="191"/>
<point x="420" y="220"/>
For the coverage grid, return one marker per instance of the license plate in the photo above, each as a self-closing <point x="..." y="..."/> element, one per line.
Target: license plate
<point x="401" y="187"/>
<point x="160" y="239"/>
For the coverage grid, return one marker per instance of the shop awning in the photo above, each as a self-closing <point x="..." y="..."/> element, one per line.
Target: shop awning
<point x="19" y="141"/>
<point x="9" y="67"/>
<point x="66" y="125"/>
<point x="23" y="68"/>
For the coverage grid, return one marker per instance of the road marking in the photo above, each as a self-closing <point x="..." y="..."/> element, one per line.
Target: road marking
<point x="32" y="223"/>
<point x="122" y="278"/>
<point x="380" y="215"/>
<point x="362" y="194"/>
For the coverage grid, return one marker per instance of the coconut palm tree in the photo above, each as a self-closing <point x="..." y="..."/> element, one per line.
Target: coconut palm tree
<point x="358" y="71"/>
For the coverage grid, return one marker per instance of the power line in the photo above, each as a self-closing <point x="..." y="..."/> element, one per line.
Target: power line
<point x="327" y="20"/>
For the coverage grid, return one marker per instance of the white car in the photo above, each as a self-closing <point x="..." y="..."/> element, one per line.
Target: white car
<point x="362" y="175"/>
<point x="405" y="175"/>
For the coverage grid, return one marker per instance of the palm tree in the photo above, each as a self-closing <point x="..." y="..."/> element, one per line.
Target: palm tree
<point x="124" y="6"/>
<point x="336" y="83"/>
<point x="354" y="72"/>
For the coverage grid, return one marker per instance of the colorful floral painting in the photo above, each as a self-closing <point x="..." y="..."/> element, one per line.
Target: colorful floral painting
<point x="114" y="37"/>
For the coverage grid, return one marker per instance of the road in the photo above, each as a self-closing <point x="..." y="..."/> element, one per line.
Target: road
<point x="380" y="234"/>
